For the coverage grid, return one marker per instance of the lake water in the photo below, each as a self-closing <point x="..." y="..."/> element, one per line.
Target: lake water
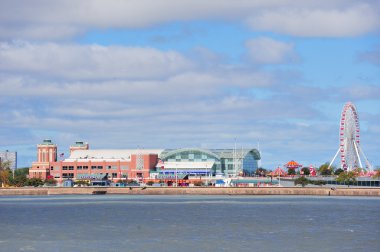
<point x="189" y="223"/>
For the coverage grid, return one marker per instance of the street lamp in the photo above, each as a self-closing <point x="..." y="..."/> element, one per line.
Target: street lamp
<point x="176" y="175"/>
<point x="207" y="176"/>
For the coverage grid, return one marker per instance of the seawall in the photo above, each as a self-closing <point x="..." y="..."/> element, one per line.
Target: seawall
<point x="322" y="191"/>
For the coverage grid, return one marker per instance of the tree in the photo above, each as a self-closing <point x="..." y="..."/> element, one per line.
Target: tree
<point x="305" y="171"/>
<point x="301" y="181"/>
<point x="34" y="182"/>
<point x="338" y="171"/>
<point x="4" y="173"/>
<point x="50" y="182"/>
<point x="347" y="177"/>
<point x="150" y="182"/>
<point x="324" y="169"/>
<point x="377" y="173"/>
<point x="86" y="182"/>
<point x="291" y="171"/>
<point x="20" y="177"/>
<point x="261" y="172"/>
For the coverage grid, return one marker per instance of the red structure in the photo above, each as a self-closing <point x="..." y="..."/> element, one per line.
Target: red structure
<point x="278" y="172"/>
<point x="85" y="164"/>
<point x="292" y="165"/>
<point x="313" y="171"/>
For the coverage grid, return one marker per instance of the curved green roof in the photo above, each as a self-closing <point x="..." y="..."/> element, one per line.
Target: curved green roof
<point x="216" y="153"/>
<point x="165" y="155"/>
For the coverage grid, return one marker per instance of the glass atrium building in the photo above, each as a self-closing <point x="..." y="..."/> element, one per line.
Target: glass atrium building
<point x="201" y="162"/>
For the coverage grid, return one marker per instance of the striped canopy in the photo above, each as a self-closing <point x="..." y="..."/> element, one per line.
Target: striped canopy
<point x="292" y="165"/>
<point x="278" y="172"/>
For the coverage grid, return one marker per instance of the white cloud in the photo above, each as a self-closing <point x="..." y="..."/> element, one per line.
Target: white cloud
<point x="90" y="62"/>
<point x="319" y="22"/>
<point x="265" y="50"/>
<point x="64" y="18"/>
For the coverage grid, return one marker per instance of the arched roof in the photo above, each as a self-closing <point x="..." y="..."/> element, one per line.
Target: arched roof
<point x="216" y="153"/>
<point x="177" y="151"/>
<point x="255" y="153"/>
<point x="229" y="153"/>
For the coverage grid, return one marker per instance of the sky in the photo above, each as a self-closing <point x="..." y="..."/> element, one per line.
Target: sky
<point x="190" y="73"/>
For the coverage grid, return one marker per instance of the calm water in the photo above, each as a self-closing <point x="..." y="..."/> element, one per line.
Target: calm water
<point x="189" y="223"/>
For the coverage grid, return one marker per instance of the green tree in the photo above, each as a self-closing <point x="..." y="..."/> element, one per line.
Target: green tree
<point x="4" y="173"/>
<point x="291" y="171"/>
<point x="34" y="182"/>
<point x="150" y="182"/>
<point x="261" y="172"/>
<point x="318" y="182"/>
<point x="50" y="182"/>
<point x="305" y="171"/>
<point x="347" y="178"/>
<point x="377" y="173"/>
<point x="324" y="169"/>
<point x="20" y="177"/>
<point x="301" y="181"/>
<point x="85" y="182"/>
<point x="338" y="171"/>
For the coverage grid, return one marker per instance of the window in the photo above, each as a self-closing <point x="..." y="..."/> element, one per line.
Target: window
<point x="100" y="167"/>
<point x="85" y="167"/>
<point x="71" y="168"/>
<point x="79" y="167"/>
<point x="67" y="175"/>
<point x="64" y="168"/>
<point x="114" y="175"/>
<point x="93" y="167"/>
<point x="51" y="168"/>
<point x="109" y="167"/>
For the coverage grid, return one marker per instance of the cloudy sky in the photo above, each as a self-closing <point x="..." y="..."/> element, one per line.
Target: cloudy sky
<point x="189" y="73"/>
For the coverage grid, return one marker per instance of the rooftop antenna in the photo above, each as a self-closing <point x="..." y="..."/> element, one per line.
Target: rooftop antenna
<point x="258" y="149"/>
<point x="234" y="159"/>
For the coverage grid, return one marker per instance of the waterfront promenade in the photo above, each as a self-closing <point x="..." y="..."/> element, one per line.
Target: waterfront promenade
<point x="321" y="191"/>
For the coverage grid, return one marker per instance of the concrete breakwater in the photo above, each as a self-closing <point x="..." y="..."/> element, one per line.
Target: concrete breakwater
<point x="323" y="191"/>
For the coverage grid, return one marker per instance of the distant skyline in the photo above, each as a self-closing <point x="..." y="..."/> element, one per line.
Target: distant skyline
<point x="190" y="73"/>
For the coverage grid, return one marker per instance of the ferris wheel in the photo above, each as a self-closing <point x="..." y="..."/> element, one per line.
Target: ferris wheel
<point x="349" y="140"/>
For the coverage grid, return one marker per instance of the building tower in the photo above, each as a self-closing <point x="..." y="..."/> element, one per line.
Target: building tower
<point x="46" y="154"/>
<point x="79" y="146"/>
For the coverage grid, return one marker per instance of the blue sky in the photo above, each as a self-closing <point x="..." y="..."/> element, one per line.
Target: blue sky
<point x="171" y="74"/>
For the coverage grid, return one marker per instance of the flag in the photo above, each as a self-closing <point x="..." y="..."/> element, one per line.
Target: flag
<point x="160" y="163"/>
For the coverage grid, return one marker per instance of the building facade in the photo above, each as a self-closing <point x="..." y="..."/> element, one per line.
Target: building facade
<point x="85" y="164"/>
<point x="140" y="164"/>
<point x="201" y="162"/>
<point x="9" y="156"/>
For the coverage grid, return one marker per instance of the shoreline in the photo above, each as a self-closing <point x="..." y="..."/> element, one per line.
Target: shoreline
<point x="322" y="191"/>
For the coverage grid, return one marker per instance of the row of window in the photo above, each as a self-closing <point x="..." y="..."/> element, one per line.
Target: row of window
<point x="71" y="175"/>
<point x="94" y="167"/>
<point x="190" y="160"/>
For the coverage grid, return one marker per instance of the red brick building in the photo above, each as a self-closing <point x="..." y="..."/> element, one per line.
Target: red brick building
<point x="86" y="164"/>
